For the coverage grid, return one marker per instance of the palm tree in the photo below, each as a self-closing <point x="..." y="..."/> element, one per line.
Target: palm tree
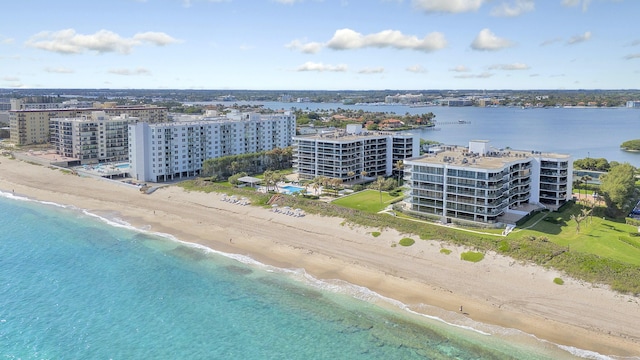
<point x="268" y="178"/>
<point x="277" y="177"/>
<point x="576" y="185"/>
<point x="363" y="174"/>
<point x="320" y="181"/>
<point x="399" y="167"/>
<point x="336" y="182"/>
<point x="351" y="174"/>
<point x="234" y="167"/>
<point x="378" y="185"/>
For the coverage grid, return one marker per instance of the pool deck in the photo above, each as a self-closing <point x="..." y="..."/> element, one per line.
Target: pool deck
<point x="103" y="170"/>
<point x="307" y="191"/>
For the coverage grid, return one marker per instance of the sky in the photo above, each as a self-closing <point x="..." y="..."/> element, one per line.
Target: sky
<point x="321" y="44"/>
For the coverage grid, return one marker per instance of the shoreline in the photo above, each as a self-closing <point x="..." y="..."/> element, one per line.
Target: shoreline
<point x="496" y="291"/>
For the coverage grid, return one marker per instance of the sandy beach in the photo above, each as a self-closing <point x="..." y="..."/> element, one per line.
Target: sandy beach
<point x="496" y="291"/>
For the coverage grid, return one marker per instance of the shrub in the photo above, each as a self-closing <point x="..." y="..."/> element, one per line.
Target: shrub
<point x="407" y="241"/>
<point x="503" y="246"/>
<point x="445" y="251"/>
<point x="375" y="233"/>
<point x="472" y="256"/>
<point x="558" y="281"/>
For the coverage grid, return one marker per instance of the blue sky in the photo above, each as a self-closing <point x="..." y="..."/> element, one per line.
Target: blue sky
<point x="321" y="44"/>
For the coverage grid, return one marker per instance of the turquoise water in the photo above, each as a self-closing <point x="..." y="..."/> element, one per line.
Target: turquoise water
<point x="290" y="189"/>
<point x="75" y="286"/>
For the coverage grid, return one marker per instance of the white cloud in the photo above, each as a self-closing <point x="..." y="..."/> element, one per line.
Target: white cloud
<point x="448" y="6"/>
<point x="320" y="67"/>
<point x="5" y="40"/>
<point x="59" y="70"/>
<point x="483" y="75"/>
<point x="307" y="48"/>
<point x="418" y="69"/>
<point x="486" y="40"/>
<point x="69" y="42"/>
<point x="11" y="78"/>
<point x="511" y="10"/>
<point x="550" y="41"/>
<point x="571" y="3"/>
<point x="514" y="66"/>
<point x="460" y="68"/>
<point x="632" y="56"/>
<point x="188" y="3"/>
<point x="19" y="85"/>
<point x="127" y="72"/>
<point x="635" y="42"/>
<point x="377" y="70"/>
<point x="348" y="39"/>
<point x="155" y="38"/>
<point x="579" y="38"/>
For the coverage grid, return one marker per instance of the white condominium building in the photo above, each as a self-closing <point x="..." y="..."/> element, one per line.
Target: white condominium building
<point x="482" y="184"/>
<point x="167" y="151"/>
<point x="353" y="155"/>
<point x="93" y="139"/>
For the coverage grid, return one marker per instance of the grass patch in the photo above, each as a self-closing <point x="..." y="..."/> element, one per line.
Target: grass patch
<point x="558" y="281"/>
<point x="601" y="237"/>
<point x="366" y="200"/>
<point x="407" y="241"/>
<point x="603" y="252"/>
<point x="503" y="246"/>
<point x="375" y="233"/>
<point x="445" y="251"/>
<point x="472" y="256"/>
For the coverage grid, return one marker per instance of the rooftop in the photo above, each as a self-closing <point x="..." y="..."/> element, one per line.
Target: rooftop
<point x="492" y="159"/>
<point x="345" y="136"/>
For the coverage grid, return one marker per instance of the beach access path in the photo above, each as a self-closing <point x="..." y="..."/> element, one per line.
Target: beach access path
<point x="496" y="291"/>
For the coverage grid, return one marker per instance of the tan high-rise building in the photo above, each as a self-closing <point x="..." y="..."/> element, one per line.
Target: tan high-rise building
<point x="30" y="127"/>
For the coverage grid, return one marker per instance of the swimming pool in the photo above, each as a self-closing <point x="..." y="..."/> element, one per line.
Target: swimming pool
<point x="123" y="166"/>
<point x="290" y="189"/>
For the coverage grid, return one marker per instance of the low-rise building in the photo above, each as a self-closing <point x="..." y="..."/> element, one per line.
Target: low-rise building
<point x="481" y="184"/>
<point x="352" y="155"/>
<point x="167" y="151"/>
<point x="633" y="104"/>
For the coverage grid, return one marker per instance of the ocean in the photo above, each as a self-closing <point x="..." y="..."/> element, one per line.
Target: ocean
<point x="74" y="285"/>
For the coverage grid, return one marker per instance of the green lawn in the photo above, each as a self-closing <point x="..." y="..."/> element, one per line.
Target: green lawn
<point x="366" y="200"/>
<point x="597" y="236"/>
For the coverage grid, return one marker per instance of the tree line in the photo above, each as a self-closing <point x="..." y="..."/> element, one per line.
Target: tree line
<point x="252" y="163"/>
<point x="617" y="185"/>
